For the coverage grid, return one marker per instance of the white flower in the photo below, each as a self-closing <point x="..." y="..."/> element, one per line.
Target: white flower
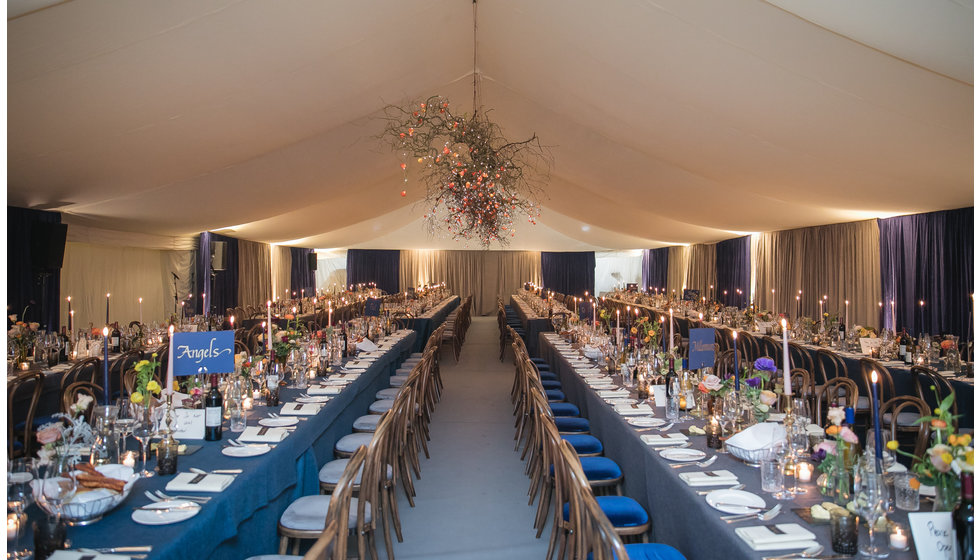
<point x="836" y="415"/>
<point x="83" y="403"/>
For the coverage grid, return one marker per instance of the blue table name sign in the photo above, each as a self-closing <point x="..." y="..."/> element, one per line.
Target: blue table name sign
<point x="701" y="352"/>
<point x="692" y="295"/>
<point x="372" y="307"/>
<point x="214" y="350"/>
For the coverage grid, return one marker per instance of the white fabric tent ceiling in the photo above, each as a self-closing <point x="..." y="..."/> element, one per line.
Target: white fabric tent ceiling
<point x="670" y="122"/>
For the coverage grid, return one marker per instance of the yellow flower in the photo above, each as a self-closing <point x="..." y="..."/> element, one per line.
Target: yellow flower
<point x="176" y="386"/>
<point x="968" y="457"/>
<point x="136" y="398"/>
<point x="153" y="386"/>
<point x="947" y="458"/>
<point x="965" y="439"/>
<point x="141" y="364"/>
<point x="633" y="330"/>
<point x="893" y="445"/>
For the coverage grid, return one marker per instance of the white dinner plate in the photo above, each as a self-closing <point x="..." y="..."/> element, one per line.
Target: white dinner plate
<point x="686" y="454"/>
<point x="148" y="517"/>
<point x="733" y="501"/>
<point x="313" y="399"/>
<point x="645" y="422"/>
<point x="278" y="422"/>
<point x="252" y="450"/>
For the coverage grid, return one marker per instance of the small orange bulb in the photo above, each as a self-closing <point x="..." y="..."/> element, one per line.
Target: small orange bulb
<point x="404" y="193"/>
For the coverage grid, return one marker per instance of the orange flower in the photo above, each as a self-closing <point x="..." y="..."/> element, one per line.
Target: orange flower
<point x="833" y="430"/>
<point x="938" y="424"/>
<point x="914" y="483"/>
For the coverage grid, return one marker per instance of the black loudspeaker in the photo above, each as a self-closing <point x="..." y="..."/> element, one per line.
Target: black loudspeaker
<point x="218" y="256"/>
<point x="48" y="246"/>
<point x="311" y="260"/>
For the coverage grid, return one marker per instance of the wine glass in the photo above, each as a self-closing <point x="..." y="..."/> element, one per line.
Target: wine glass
<point x="52" y="487"/>
<point x="19" y="498"/>
<point x="785" y="456"/>
<point x="143" y="432"/>
<point x="731" y="409"/>
<point x="869" y="497"/>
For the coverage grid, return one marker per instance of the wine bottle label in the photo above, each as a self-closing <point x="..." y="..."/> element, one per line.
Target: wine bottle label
<point x="212" y="416"/>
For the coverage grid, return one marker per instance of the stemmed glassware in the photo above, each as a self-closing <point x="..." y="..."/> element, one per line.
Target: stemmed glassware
<point x="731" y="409"/>
<point x="52" y="488"/>
<point x="19" y="498"/>
<point x="785" y="455"/>
<point x="143" y="432"/>
<point x="869" y="496"/>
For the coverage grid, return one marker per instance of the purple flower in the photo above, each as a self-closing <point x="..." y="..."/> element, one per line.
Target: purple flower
<point x="765" y="364"/>
<point x="753" y="382"/>
<point x="819" y="455"/>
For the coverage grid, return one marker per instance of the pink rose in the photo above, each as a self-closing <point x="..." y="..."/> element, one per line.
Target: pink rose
<point x="49" y="435"/>
<point x="848" y="435"/>
<point x="829" y="447"/>
<point x="711" y="382"/>
<point x="768" y="397"/>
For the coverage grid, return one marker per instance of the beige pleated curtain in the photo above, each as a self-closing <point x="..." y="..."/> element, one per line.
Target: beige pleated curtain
<point x="483" y="274"/>
<point x="841" y="261"/>
<point x="254" y="279"/>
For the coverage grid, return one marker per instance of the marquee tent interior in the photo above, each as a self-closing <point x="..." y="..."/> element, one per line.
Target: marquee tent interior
<point x="669" y="123"/>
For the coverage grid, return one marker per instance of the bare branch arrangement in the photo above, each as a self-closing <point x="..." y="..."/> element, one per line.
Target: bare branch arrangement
<point x="477" y="182"/>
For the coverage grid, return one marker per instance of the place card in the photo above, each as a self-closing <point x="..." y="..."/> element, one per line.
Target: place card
<point x="189" y="423"/>
<point x="933" y="535"/>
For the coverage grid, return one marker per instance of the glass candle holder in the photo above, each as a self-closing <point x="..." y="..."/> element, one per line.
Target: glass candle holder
<point x="844" y="533"/>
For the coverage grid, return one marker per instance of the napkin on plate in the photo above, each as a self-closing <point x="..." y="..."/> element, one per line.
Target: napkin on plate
<point x="616" y="393"/>
<point x="262" y="434"/>
<point x="709" y="478"/>
<point x="584" y="372"/>
<point x="319" y="390"/>
<point x="356" y="365"/>
<point x="193" y="482"/>
<point x="631" y="410"/>
<point x="759" y="436"/>
<point x="776" y="536"/>
<point x="366" y="346"/>
<point x="663" y="439"/>
<point x="298" y="409"/>
<point x="344" y="376"/>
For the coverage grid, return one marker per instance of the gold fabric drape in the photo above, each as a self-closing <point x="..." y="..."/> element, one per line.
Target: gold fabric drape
<point x="281" y="263"/>
<point x="677" y="263"/>
<point x="701" y="268"/>
<point x="482" y="274"/>
<point x="254" y="278"/>
<point x="841" y="261"/>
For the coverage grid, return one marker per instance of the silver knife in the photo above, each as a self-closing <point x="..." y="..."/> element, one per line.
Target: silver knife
<point x="169" y="508"/>
<point x="146" y="548"/>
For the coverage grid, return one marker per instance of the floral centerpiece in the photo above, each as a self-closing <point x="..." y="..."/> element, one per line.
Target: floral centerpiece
<point x="647" y="331"/>
<point x="950" y="455"/>
<point x="713" y="387"/>
<point x="145" y="386"/>
<point x="756" y="395"/>
<point x="21" y="338"/>
<point x="605" y="316"/>
<point x="286" y="340"/>
<point x="835" y="457"/>
<point x="62" y="441"/>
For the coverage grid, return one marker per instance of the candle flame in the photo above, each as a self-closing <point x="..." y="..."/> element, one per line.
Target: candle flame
<point x="105" y="331"/>
<point x="783" y="321"/>
<point x="171" y="330"/>
<point x="874" y="376"/>
<point x="734" y="335"/>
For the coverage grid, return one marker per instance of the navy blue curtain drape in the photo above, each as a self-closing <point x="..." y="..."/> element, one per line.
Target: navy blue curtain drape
<point x="929" y="258"/>
<point x="27" y="286"/>
<point x="374" y="265"/>
<point x="223" y="289"/>
<point x="568" y="273"/>
<point x="654" y="269"/>
<point x="301" y="277"/>
<point x="733" y="262"/>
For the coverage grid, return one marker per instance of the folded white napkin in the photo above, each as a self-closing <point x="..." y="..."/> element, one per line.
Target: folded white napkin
<point x="193" y="482"/>
<point x="606" y="394"/>
<point x="366" y="346"/>
<point x="642" y="409"/>
<point x="709" y="478"/>
<point x="588" y="371"/>
<point x="663" y="439"/>
<point x="357" y="365"/>
<point x="776" y="536"/>
<point x="759" y="436"/>
<point x="262" y="434"/>
<point x="298" y="409"/>
<point x="78" y="555"/>
<point x="344" y="376"/>
<point x="660" y="395"/>
<point x="319" y="390"/>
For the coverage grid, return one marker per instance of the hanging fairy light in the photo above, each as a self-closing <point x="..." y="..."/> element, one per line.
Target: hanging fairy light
<point x="477" y="182"/>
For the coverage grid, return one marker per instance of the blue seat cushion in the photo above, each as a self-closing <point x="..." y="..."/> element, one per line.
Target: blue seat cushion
<point x="572" y="424"/>
<point x="542" y="367"/>
<point x="647" y="551"/>
<point x="598" y="468"/>
<point x="622" y="511"/>
<point x="564" y="409"/>
<point x="554" y="395"/>
<point x="540" y="361"/>
<point x="547" y="375"/>
<point x="584" y="444"/>
<point x="551" y="384"/>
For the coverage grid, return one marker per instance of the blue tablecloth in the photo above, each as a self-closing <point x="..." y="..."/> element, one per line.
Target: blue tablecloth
<point x="424" y="326"/>
<point x="532" y="326"/>
<point x="241" y="521"/>
<point x="679" y="516"/>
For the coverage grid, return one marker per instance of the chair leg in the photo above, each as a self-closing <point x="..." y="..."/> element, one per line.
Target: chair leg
<point x="283" y="545"/>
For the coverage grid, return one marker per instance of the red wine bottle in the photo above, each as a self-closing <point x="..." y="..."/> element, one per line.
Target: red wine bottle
<point x="963" y="518"/>
<point x="212" y="411"/>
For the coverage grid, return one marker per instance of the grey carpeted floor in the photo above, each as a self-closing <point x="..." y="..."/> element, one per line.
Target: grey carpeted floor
<point x="472" y="498"/>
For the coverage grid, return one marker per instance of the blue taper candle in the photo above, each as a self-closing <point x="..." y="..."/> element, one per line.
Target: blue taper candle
<point x="738" y="385"/>
<point x="105" y="365"/>
<point x="875" y="415"/>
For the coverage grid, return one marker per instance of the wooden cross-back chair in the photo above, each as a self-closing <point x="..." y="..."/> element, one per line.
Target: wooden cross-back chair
<point x="830" y="365"/>
<point x="117" y="371"/>
<point x="925" y="378"/>
<point x="899" y="416"/>
<point x="26" y="386"/>
<point x="71" y="393"/>
<point x="83" y="370"/>
<point x="840" y="391"/>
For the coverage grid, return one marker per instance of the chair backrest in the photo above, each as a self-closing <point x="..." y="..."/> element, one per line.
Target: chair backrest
<point x="829" y="365"/>
<point x="886" y="389"/>
<point x="768" y="346"/>
<point x="841" y="391"/>
<point x="725" y="363"/>
<point x="71" y="393"/>
<point x="799" y="357"/>
<point x="117" y="370"/>
<point x="802" y="386"/>
<point x="83" y="370"/>
<point x="890" y="412"/>
<point x="23" y="395"/>
<point x="926" y="378"/>
<point x="332" y="542"/>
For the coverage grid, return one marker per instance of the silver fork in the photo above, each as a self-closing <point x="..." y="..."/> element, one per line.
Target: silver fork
<point x="202" y="499"/>
<point x="706" y="492"/>
<point x="704" y="463"/>
<point x="761" y="516"/>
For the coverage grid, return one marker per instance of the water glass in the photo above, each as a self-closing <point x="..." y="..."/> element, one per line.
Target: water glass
<point x="906" y="497"/>
<point x="844" y="533"/>
<point x="772" y="476"/>
<point x="237" y="420"/>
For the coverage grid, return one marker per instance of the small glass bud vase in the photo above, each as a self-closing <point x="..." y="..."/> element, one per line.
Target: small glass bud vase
<point x="168" y="448"/>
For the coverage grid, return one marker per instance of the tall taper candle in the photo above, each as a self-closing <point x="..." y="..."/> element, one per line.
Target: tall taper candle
<point x="671" y="343"/>
<point x="170" y="363"/>
<point x="107" y="309"/>
<point x="106" y="390"/>
<point x="787" y="390"/>
<point x="922" y="317"/>
<point x="617" y="322"/>
<point x="847" y="316"/>
<point x="894" y="323"/>
<point x="268" y="329"/>
<point x="70" y="314"/>
<point x="662" y="337"/>
<point x="876" y="415"/>
<point x="141" y="311"/>
<point x="738" y="385"/>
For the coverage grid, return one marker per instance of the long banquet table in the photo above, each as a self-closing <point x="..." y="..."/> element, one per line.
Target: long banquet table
<point x="532" y="324"/>
<point x="902" y="377"/>
<point x="429" y="321"/>
<point x="241" y="521"/>
<point x="679" y="516"/>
